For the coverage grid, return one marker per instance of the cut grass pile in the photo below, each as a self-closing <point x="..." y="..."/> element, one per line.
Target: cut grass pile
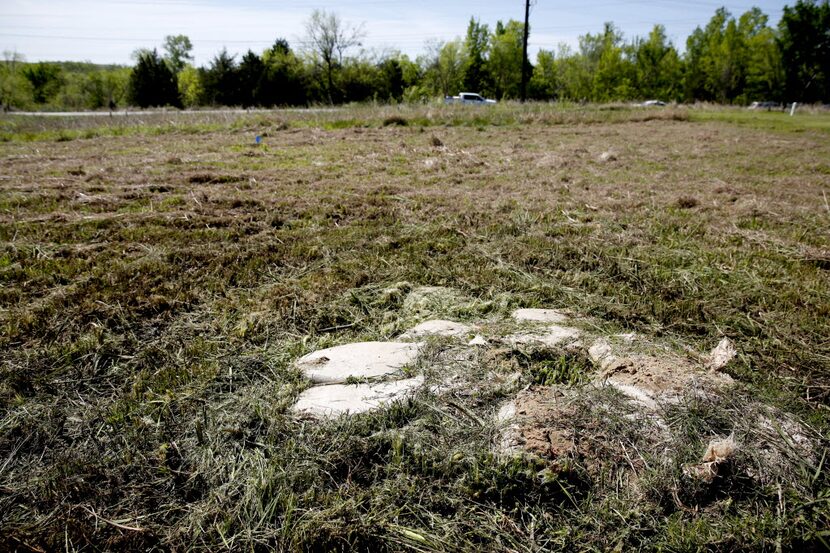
<point x="159" y="277"/>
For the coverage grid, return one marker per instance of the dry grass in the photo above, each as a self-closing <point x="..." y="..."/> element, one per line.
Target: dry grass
<point x="158" y="278"/>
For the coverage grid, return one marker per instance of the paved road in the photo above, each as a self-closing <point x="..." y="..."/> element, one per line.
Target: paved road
<point x="172" y="112"/>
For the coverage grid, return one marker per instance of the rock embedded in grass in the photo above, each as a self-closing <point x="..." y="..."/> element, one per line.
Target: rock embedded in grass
<point x="339" y="399"/>
<point x="438" y="328"/>
<point x="362" y="360"/>
<point x="553" y="336"/>
<point x="540" y="315"/>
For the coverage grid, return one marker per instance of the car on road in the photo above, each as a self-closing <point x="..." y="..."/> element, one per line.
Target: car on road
<point x="469" y="98"/>
<point x="764" y="105"/>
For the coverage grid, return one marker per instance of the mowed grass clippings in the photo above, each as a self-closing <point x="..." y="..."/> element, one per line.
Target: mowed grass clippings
<point x="157" y="280"/>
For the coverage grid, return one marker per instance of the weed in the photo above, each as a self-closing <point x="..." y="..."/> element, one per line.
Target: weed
<point x="395" y="120"/>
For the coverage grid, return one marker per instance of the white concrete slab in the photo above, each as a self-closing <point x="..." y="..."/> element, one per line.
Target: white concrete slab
<point x="337" y="399"/>
<point x="540" y="315"/>
<point x="553" y="336"/>
<point x="362" y="360"/>
<point x="438" y="328"/>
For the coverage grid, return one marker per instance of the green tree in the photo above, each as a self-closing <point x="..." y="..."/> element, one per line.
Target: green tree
<point x="104" y="87"/>
<point x="506" y="59"/>
<point x="659" y="70"/>
<point x="251" y="75"/>
<point x="152" y="83"/>
<point x="445" y="67"/>
<point x="411" y="71"/>
<point x="413" y="74"/>
<point x="359" y="80"/>
<point x="391" y="84"/>
<point x="544" y="81"/>
<point x="93" y="90"/>
<point x="46" y="80"/>
<point x="221" y="81"/>
<point x="191" y="90"/>
<point x="805" y="50"/>
<point x="614" y="72"/>
<point x="14" y="88"/>
<point x="116" y="83"/>
<point x="763" y="72"/>
<point x="577" y="70"/>
<point x="177" y="50"/>
<point x="285" y="81"/>
<point x="476" y="76"/>
<point x="732" y="61"/>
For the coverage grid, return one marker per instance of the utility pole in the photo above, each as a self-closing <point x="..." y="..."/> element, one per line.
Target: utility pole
<point x="524" y="52"/>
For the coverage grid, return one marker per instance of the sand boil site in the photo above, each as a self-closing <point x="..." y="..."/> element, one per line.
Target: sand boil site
<point x="626" y="376"/>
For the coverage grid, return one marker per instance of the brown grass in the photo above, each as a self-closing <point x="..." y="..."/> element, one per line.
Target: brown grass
<point x="156" y="286"/>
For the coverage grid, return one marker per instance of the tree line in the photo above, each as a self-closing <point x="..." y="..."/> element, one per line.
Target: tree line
<point x="729" y="60"/>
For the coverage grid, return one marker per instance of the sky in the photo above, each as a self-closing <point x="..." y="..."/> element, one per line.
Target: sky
<point x="109" y="31"/>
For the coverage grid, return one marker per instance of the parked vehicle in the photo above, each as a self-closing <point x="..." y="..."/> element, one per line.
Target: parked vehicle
<point x="765" y="105"/>
<point x="469" y="98"/>
<point x="657" y="103"/>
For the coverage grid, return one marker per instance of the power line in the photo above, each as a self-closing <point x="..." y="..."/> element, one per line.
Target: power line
<point x="523" y="90"/>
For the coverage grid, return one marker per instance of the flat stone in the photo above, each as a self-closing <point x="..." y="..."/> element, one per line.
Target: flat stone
<point x="540" y="315"/>
<point x="362" y="360"/>
<point x="438" y="328"/>
<point x="554" y="336"/>
<point x="338" y="399"/>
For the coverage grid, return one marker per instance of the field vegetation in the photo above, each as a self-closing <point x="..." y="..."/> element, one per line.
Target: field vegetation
<point x="160" y="274"/>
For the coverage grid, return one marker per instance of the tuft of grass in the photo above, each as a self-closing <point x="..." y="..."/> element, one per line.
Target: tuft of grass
<point x="687" y="202"/>
<point x="395" y="120"/>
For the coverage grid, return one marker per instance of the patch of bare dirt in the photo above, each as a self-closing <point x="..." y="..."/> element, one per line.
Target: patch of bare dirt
<point x="649" y="378"/>
<point x="531" y="421"/>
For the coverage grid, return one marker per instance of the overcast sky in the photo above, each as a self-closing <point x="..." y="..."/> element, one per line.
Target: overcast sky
<point x="108" y="31"/>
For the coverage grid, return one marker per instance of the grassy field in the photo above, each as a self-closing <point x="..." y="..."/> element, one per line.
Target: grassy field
<point x="160" y="273"/>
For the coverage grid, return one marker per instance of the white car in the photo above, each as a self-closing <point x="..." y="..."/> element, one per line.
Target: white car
<point x="765" y="105"/>
<point x="469" y="98"/>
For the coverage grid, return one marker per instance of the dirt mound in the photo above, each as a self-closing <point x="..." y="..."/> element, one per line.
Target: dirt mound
<point x="532" y="422"/>
<point x="622" y="406"/>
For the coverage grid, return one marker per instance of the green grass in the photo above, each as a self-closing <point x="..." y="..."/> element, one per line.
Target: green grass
<point x="158" y="279"/>
<point x="805" y="119"/>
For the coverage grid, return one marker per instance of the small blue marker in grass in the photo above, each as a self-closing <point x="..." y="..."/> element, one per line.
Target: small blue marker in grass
<point x="258" y="139"/>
